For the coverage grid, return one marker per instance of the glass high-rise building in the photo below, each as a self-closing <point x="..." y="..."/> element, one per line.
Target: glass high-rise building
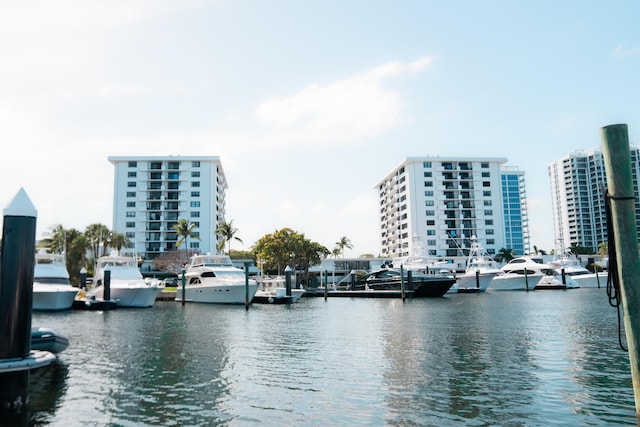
<point x="578" y="185"/>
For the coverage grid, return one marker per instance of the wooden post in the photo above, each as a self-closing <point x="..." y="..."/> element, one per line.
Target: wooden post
<point x="478" y="279"/>
<point x="617" y="162"/>
<point x="402" y="281"/>
<point x="16" y="300"/>
<point x="246" y="286"/>
<point x="184" y="284"/>
<point x="326" y="284"/>
<point x="526" y="279"/>
<point x="106" y="286"/>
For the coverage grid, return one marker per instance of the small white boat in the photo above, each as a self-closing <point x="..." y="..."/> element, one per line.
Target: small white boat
<point x="479" y="271"/>
<point x="214" y="279"/>
<point x="273" y="290"/>
<point x="127" y="285"/>
<point x="585" y="279"/>
<point x="521" y="273"/>
<point x="52" y="290"/>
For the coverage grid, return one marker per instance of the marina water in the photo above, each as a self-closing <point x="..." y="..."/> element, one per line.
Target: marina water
<point x="498" y="358"/>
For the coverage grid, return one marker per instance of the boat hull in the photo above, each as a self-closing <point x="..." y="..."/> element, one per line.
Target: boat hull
<point x="45" y="339"/>
<point x="515" y="282"/>
<point x="217" y="294"/>
<point x="134" y="296"/>
<point x="53" y="297"/>
<point x="480" y="282"/>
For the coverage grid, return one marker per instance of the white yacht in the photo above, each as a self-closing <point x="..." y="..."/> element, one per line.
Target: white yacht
<point x="127" y="285"/>
<point x="214" y="279"/>
<point x="479" y="271"/>
<point x="573" y="269"/>
<point x="273" y="290"/>
<point x="523" y="273"/>
<point x="52" y="290"/>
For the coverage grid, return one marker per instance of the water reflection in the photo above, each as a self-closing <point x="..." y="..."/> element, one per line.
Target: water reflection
<point x="505" y="358"/>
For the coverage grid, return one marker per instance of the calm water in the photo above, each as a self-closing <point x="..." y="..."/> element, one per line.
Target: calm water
<point x="503" y="358"/>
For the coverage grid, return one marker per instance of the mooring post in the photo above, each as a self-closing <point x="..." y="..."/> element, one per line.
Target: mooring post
<point x="564" y="276"/>
<point x="326" y="284"/>
<point x="526" y="279"/>
<point x="617" y="162"/>
<point x="246" y="286"/>
<point x="17" y="258"/>
<point x="106" y="288"/>
<point x="402" y="281"/>
<point x="287" y="280"/>
<point x="184" y="285"/>
<point x="478" y="279"/>
<point x="83" y="278"/>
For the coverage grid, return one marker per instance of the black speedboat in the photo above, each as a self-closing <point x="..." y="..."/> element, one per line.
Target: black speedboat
<point x="422" y="285"/>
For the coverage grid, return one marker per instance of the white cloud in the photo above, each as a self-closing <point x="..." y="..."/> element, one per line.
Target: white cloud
<point x="353" y="108"/>
<point x="621" y="52"/>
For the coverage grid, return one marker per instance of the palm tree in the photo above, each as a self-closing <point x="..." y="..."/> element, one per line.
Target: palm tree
<point x="226" y="232"/>
<point x="505" y="254"/>
<point x="184" y="229"/>
<point x="344" y="242"/>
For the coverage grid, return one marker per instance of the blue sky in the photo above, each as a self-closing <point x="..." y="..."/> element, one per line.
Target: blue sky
<point x="308" y="103"/>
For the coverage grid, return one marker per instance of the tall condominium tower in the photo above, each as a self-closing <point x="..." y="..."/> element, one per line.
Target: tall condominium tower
<point x="435" y="205"/>
<point x="152" y="193"/>
<point x="578" y="184"/>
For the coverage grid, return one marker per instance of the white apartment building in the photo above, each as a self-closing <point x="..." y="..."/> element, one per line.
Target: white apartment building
<point x="578" y="184"/>
<point x="152" y="193"/>
<point x="433" y="206"/>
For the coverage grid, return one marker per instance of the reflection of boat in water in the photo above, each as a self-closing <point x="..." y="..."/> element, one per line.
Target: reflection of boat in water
<point x="127" y="286"/>
<point x="214" y="279"/>
<point x="46" y="339"/>
<point x="52" y="290"/>
<point x="273" y="290"/>
<point x="422" y="285"/>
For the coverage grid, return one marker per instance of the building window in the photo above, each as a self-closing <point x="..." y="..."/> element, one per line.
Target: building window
<point x="486" y="183"/>
<point x="194" y="245"/>
<point x="488" y="222"/>
<point x="431" y="222"/>
<point x="195" y="164"/>
<point x="488" y="203"/>
<point x="195" y="194"/>
<point x="488" y="212"/>
<point x="491" y="242"/>
<point x="132" y="174"/>
<point x="195" y="204"/>
<point x="195" y="183"/>
<point x="131" y="214"/>
<point x="429" y="213"/>
<point x="130" y="235"/>
<point x="131" y="184"/>
<point x="428" y="184"/>
<point x="428" y="174"/>
<point x="131" y="204"/>
<point x="486" y="193"/>
<point x="431" y="242"/>
<point x="195" y="214"/>
<point x="486" y="174"/>
<point x="131" y="194"/>
<point x="429" y="202"/>
<point x="484" y="165"/>
<point x="195" y="174"/>
<point x="426" y="165"/>
<point x="431" y="232"/>
<point x="428" y="193"/>
<point x="133" y="164"/>
<point x="489" y="231"/>
<point x="131" y="225"/>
